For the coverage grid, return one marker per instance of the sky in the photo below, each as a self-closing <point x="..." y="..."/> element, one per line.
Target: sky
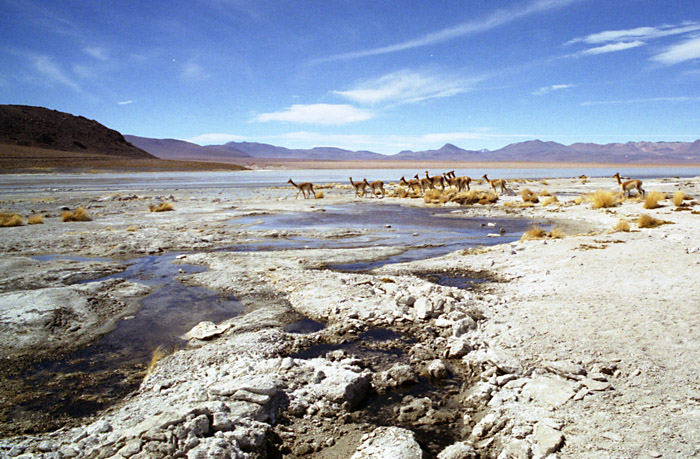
<point x="383" y="76"/>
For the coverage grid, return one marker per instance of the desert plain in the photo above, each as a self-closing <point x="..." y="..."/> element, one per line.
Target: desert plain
<point x="581" y="341"/>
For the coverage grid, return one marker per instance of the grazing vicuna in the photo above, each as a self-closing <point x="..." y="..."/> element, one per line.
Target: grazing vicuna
<point x="411" y="184"/>
<point x="496" y="183"/>
<point x="629" y="185"/>
<point x="304" y="188"/>
<point x="436" y="180"/>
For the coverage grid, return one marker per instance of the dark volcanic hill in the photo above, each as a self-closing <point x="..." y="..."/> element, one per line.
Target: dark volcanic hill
<point x="40" y="127"/>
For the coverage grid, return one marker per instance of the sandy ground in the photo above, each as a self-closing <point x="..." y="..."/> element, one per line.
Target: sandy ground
<point x="581" y="346"/>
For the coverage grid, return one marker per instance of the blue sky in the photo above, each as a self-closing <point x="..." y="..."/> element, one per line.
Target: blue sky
<point x="363" y="75"/>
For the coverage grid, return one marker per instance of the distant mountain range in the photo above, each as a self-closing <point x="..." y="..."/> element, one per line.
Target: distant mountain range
<point x="529" y="151"/>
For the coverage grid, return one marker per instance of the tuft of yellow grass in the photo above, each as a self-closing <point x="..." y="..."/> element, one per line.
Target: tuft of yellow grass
<point x="557" y="233"/>
<point x="678" y="198"/>
<point x="651" y="201"/>
<point x="162" y="207"/>
<point x="158" y="354"/>
<point x="536" y="232"/>
<point x="8" y="220"/>
<point x="545" y="193"/>
<point x="603" y="199"/>
<point x="320" y="195"/>
<point x="132" y="229"/>
<point x="622" y="225"/>
<point x="529" y="196"/>
<point x="647" y="221"/>
<point x="549" y="200"/>
<point x="432" y="196"/>
<point x="475" y="197"/>
<point x="35" y="220"/>
<point x="77" y="215"/>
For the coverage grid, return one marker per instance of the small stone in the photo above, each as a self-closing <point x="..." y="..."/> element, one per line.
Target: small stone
<point x="548" y="440"/>
<point x="596" y="385"/>
<point x="437" y="369"/>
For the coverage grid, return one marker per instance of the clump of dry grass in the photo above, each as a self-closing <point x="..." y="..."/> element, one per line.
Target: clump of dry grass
<point x="678" y="198"/>
<point x="35" y="220"/>
<point x="647" y="221"/>
<point x="652" y="199"/>
<point x="529" y="196"/>
<point x="622" y="225"/>
<point x="536" y="232"/>
<point x="557" y="233"/>
<point x="432" y="196"/>
<point x="475" y="197"/>
<point x="550" y="200"/>
<point x="545" y="192"/>
<point x="603" y="199"/>
<point x="162" y="207"/>
<point x="77" y="215"/>
<point x="320" y="195"/>
<point x="158" y="354"/>
<point x="8" y="220"/>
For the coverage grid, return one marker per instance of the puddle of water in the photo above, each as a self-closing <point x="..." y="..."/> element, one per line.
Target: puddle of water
<point x="304" y="326"/>
<point x="83" y="382"/>
<point x="424" y="232"/>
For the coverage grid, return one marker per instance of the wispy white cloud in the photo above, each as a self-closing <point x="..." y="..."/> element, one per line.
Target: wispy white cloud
<point x="641" y="101"/>
<point x="125" y="102"/>
<point x="555" y="87"/>
<point x="192" y="71"/>
<point x="681" y="52"/>
<point x="48" y="69"/>
<point x="96" y="52"/>
<point x="215" y="139"/>
<point x="325" y="114"/>
<point x="496" y="19"/>
<point x="638" y="33"/>
<point x="612" y="47"/>
<point x="405" y="87"/>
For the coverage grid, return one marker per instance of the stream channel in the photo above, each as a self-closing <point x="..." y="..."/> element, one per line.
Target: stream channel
<point x="63" y="391"/>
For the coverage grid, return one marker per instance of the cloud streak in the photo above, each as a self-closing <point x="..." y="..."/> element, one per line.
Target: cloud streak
<point x="496" y="19"/>
<point x="323" y="114"/>
<point x="638" y="33"/>
<point x="681" y="52"/>
<point x="404" y="87"/>
<point x="612" y="47"/>
<point x="555" y="87"/>
<point x="52" y="72"/>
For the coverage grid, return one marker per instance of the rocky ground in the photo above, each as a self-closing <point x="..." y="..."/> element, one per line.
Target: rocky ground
<point x="578" y="346"/>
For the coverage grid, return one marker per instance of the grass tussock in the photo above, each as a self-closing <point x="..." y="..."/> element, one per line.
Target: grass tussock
<point x="622" y="225"/>
<point x="7" y="220"/>
<point x="544" y="192"/>
<point x="162" y="207"/>
<point x="158" y="354"/>
<point x="678" y="198"/>
<point x="651" y="201"/>
<point x="647" y="221"/>
<point x="320" y="195"/>
<point x="475" y="197"/>
<point x="35" y="220"/>
<point x="77" y="215"/>
<point x="550" y="200"/>
<point x="432" y="196"/>
<point x="602" y="199"/>
<point x="132" y="229"/>
<point x="529" y="196"/>
<point x="537" y="232"/>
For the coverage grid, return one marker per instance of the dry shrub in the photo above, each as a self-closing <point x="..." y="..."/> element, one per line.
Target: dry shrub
<point x="320" y="195"/>
<point x="401" y="193"/>
<point x="545" y="193"/>
<point x="35" y="220"/>
<point x="557" y="233"/>
<point x="652" y="199"/>
<point x="678" y="198"/>
<point x="529" y="196"/>
<point x="603" y="199"/>
<point x="549" y="200"/>
<point x="536" y="232"/>
<point x="7" y="220"/>
<point x="447" y="196"/>
<point x="622" y="225"/>
<point x="77" y="215"/>
<point x="475" y="197"/>
<point x="526" y="204"/>
<point x="432" y="196"/>
<point x="647" y="221"/>
<point x="132" y="229"/>
<point x="162" y="207"/>
<point x="578" y="200"/>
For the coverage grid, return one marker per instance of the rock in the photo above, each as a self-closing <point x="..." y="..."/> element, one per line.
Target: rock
<point x="565" y="368"/>
<point x="463" y="326"/>
<point x="413" y="409"/>
<point x="99" y="427"/>
<point x="458" y="348"/>
<point x="549" y="392"/>
<point x="423" y="308"/>
<point x="548" y="440"/>
<point x="132" y="447"/>
<point x="596" y="385"/>
<point x="437" y="369"/>
<point x="516" y="449"/>
<point x="503" y="360"/>
<point x="389" y="442"/>
<point x="199" y="425"/>
<point x="459" y="450"/>
<point x="342" y="384"/>
<point x="205" y="330"/>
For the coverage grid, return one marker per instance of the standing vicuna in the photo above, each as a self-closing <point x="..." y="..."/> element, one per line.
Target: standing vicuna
<point x="629" y="185"/>
<point x="436" y="180"/>
<point x="496" y="183"/>
<point x="375" y="186"/>
<point x="359" y="186"/>
<point x="304" y="188"/>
